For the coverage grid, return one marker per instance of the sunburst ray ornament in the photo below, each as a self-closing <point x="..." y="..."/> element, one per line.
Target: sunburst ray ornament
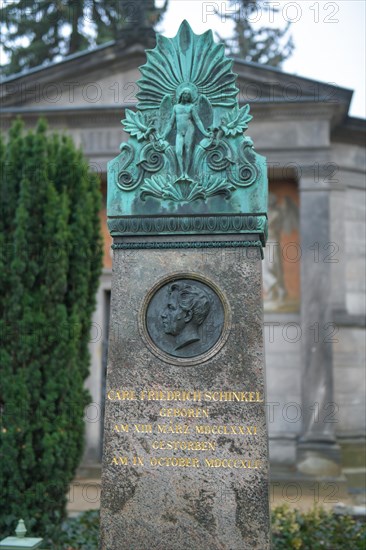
<point x="186" y="61"/>
<point x="187" y="149"/>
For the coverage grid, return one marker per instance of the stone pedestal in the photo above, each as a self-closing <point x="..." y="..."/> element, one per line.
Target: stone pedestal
<point x="185" y="463"/>
<point x="185" y="452"/>
<point x="319" y="459"/>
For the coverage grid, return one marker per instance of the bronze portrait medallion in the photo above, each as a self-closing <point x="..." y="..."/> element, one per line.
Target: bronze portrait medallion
<point x="185" y="318"/>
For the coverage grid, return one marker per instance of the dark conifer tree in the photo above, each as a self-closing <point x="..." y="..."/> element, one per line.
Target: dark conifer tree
<point x="254" y="42"/>
<point x="50" y="264"/>
<point x="37" y="32"/>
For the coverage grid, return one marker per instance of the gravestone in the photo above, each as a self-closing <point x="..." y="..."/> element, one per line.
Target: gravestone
<point x="185" y="462"/>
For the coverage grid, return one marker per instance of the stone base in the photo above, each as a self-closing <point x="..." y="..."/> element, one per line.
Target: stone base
<point x="299" y="491"/>
<point x="319" y="460"/>
<point x="185" y="472"/>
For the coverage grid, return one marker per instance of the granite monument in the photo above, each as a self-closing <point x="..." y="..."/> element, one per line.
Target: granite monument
<point x="185" y="461"/>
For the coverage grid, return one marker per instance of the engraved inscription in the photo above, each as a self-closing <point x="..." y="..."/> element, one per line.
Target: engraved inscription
<point x="199" y="433"/>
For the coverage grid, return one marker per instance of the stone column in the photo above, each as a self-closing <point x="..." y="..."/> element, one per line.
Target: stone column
<point x="318" y="452"/>
<point x="337" y="247"/>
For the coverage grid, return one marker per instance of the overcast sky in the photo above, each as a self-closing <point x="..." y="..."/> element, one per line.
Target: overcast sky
<point x="329" y="37"/>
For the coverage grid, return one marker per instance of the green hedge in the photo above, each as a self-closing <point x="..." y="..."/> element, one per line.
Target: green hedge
<point x="316" y="529"/>
<point x="291" y="530"/>
<point x="81" y="532"/>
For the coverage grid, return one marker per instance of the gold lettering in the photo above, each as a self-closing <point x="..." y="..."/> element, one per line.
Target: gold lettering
<point x="181" y="462"/>
<point x="121" y="428"/>
<point x="241" y="396"/>
<point x="121" y="395"/>
<point x="207" y="429"/>
<point x="184" y="445"/>
<point x="170" y="395"/>
<point x="120" y="460"/>
<point x="200" y="429"/>
<point x="173" y="428"/>
<point x="251" y="430"/>
<point x="184" y="413"/>
<point x="187" y="395"/>
<point x="232" y="463"/>
<point x="143" y="428"/>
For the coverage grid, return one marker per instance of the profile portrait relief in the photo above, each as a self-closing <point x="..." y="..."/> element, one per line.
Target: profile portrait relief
<point x="186" y="309"/>
<point x="184" y="318"/>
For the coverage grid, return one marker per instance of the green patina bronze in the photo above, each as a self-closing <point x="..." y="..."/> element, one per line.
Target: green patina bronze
<point x="188" y="167"/>
<point x="20" y="541"/>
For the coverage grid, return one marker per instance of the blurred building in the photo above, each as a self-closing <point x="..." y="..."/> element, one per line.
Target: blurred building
<point x="314" y="270"/>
